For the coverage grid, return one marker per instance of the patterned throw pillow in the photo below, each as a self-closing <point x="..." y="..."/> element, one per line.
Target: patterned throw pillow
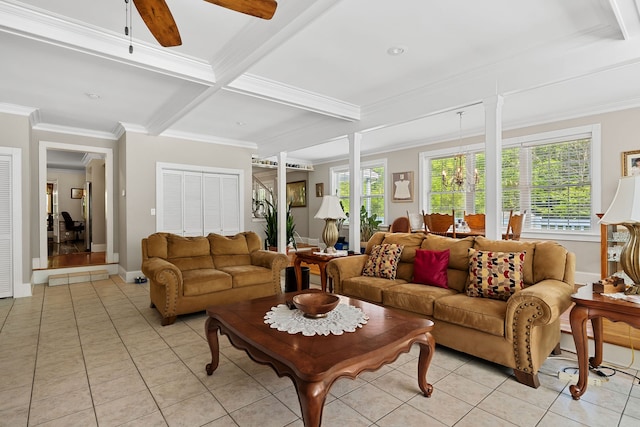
<point x="383" y="261"/>
<point x="496" y="275"/>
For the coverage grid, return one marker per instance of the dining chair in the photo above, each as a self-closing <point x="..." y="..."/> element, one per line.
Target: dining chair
<point x="440" y="223"/>
<point x="514" y="226"/>
<point x="416" y="221"/>
<point x="400" y="225"/>
<point x="475" y="221"/>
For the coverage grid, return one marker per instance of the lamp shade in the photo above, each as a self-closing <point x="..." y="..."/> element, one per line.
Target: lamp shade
<point x="330" y="208"/>
<point x="625" y="208"/>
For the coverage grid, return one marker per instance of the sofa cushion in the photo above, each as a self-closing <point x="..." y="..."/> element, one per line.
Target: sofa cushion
<point x="495" y="275"/>
<point x="414" y="297"/>
<point x="193" y="263"/>
<point x="431" y="267"/>
<point x="182" y="247"/>
<point x="484" y="244"/>
<point x="229" y="251"/>
<point x="204" y="281"/>
<point x="368" y="288"/>
<point x="486" y="315"/>
<point x="458" y="273"/>
<point x="383" y="261"/>
<point x="248" y="275"/>
<point x="550" y="261"/>
<point x="157" y="245"/>
<point x="410" y="242"/>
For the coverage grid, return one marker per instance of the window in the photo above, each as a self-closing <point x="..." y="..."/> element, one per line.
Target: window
<point x="548" y="176"/>
<point x="373" y="187"/>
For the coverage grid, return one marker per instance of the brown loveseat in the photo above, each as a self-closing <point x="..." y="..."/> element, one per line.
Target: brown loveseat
<point x="518" y="333"/>
<point x="187" y="274"/>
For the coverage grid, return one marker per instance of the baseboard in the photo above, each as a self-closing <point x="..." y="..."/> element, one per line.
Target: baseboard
<point x="129" y="276"/>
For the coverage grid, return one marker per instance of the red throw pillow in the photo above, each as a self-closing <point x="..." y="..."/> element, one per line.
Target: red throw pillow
<point x="430" y="267"/>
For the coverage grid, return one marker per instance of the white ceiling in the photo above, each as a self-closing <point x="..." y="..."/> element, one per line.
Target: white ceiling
<point x="319" y="69"/>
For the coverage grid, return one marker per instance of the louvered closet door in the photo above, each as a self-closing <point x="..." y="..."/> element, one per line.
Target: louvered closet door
<point x="230" y="205"/>
<point x="192" y="204"/>
<point x="6" y="246"/>
<point x="171" y="221"/>
<point x="211" y="194"/>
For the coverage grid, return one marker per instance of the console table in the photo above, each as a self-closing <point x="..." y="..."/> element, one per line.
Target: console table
<point x="595" y="307"/>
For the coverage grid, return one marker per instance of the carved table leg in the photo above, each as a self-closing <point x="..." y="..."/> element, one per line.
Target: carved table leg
<point x="298" y="270"/>
<point x="311" y="397"/>
<point x="211" y="330"/>
<point x="578" y="319"/>
<point x="424" y="360"/>
<point x="596" y="324"/>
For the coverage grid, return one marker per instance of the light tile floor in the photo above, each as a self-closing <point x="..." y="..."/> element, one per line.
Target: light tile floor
<point x="91" y="354"/>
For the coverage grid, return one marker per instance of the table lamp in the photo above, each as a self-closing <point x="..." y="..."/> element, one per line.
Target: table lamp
<point x="330" y="210"/>
<point x="625" y="210"/>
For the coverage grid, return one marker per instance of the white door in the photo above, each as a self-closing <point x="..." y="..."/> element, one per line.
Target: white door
<point x="6" y="222"/>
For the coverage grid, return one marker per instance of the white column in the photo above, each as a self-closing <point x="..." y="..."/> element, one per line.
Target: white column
<point x="493" y="166"/>
<point x="282" y="202"/>
<point x="355" y="189"/>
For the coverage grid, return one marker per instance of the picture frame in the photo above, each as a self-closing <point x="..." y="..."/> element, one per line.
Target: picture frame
<point x="631" y="163"/>
<point x="320" y="189"/>
<point x="297" y="194"/>
<point x="76" y="193"/>
<point x="402" y="183"/>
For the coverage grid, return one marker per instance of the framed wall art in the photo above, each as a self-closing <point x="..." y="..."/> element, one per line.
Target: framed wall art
<point x="631" y="163"/>
<point x="297" y="194"/>
<point x="76" y="193"/>
<point x="320" y="189"/>
<point x="402" y="186"/>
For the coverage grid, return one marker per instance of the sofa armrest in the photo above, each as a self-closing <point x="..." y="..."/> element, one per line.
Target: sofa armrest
<point x="274" y="261"/>
<point x="162" y="273"/>
<point x="343" y="268"/>
<point x="538" y="305"/>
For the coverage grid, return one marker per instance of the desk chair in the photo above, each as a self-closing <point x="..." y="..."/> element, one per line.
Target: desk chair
<point x="71" y="225"/>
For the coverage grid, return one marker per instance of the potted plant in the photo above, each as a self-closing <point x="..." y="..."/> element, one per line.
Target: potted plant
<point x="271" y="226"/>
<point x="368" y="225"/>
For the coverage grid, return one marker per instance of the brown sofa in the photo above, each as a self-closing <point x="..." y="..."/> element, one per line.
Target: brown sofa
<point x="518" y="333"/>
<point x="187" y="274"/>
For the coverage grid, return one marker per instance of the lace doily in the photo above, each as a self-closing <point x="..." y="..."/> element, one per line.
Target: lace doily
<point x="343" y="318"/>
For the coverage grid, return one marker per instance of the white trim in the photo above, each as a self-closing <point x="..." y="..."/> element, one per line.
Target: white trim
<point x="209" y="139"/>
<point x="368" y="164"/>
<point x="70" y="130"/>
<point x="271" y="90"/>
<point x="42" y="184"/>
<point x="20" y="289"/>
<point x="18" y="110"/>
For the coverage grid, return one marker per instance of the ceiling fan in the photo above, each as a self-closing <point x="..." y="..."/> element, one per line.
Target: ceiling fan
<point x="158" y="18"/>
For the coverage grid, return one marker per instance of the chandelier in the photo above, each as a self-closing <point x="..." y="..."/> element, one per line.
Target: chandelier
<point x="459" y="178"/>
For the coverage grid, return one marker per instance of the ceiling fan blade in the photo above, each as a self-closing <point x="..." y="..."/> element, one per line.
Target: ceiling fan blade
<point x="260" y="8"/>
<point x="158" y="18"/>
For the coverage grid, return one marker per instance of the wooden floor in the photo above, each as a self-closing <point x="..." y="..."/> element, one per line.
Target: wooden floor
<point x="70" y="254"/>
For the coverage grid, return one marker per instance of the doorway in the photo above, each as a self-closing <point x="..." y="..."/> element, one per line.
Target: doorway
<point x="92" y="243"/>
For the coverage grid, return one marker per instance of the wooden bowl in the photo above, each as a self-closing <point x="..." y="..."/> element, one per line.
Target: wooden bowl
<point x="316" y="304"/>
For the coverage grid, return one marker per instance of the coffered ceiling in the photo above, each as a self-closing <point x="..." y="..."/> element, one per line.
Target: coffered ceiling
<point x="318" y="70"/>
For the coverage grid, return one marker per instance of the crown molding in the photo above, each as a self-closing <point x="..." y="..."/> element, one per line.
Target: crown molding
<point x="627" y="16"/>
<point x="18" y="110"/>
<point x="36" y="24"/>
<point x="209" y="139"/>
<point x="69" y="130"/>
<point x="271" y="90"/>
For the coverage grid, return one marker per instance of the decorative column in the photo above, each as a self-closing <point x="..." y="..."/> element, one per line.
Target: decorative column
<point x="493" y="166"/>
<point x="355" y="189"/>
<point x="282" y="202"/>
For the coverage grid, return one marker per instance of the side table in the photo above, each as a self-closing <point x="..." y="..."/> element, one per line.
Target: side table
<point x="320" y="260"/>
<point x="595" y="306"/>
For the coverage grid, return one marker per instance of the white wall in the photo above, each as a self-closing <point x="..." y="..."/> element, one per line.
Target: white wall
<point x="68" y="179"/>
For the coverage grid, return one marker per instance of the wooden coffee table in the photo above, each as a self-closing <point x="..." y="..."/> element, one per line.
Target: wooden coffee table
<point x="314" y="363"/>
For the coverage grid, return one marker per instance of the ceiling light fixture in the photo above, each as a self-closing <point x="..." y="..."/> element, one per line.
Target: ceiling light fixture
<point x="459" y="178"/>
<point x="92" y="96"/>
<point x="396" y="50"/>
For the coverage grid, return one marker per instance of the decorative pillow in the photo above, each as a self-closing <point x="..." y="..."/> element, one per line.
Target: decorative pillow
<point x="430" y="267"/>
<point x="496" y="275"/>
<point x="383" y="261"/>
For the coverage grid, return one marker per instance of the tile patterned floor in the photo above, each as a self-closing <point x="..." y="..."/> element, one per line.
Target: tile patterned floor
<point x="92" y="354"/>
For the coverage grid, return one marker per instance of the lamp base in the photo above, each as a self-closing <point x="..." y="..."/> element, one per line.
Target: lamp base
<point x="630" y="256"/>
<point x="330" y="234"/>
<point x="330" y="250"/>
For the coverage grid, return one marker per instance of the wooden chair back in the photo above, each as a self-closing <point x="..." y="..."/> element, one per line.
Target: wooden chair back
<point x="475" y="221"/>
<point x="440" y="223"/>
<point x="400" y="225"/>
<point x="514" y="227"/>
